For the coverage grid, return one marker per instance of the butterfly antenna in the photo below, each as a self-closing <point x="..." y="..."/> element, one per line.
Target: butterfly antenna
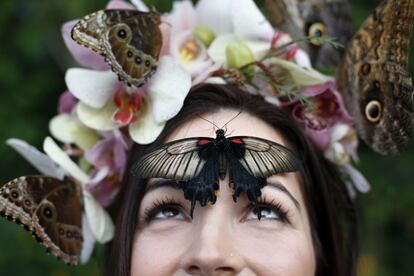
<point x="198" y="115"/>
<point x="225" y="125"/>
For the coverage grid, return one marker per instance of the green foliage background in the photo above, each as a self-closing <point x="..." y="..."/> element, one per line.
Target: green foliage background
<point x="33" y="60"/>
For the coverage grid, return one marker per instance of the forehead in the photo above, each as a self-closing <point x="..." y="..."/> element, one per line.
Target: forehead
<point x="244" y="124"/>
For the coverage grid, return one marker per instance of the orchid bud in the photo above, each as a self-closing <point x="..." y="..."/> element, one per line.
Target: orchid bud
<point x="238" y="54"/>
<point x="204" y="34"/>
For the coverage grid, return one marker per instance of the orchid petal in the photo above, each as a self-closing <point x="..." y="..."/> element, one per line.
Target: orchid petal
<point x="168" y="89"/>
<point x="140" y="5"/>
<point x="358" y="180"/>
<point x="67" y="130"/>
<point x="216" y="14"/>
<point x="202" y="76"/>
<point x="84" y="137"/>
<point x="63" y="160"/>
<point x="92" y="87"/>
<point x="119" y="4"/>
<point x="37" y="159"/>
<point x="339" y="131"/>
<point x="183" y="17"/>
<point x="88" y="241"/>
<point x="300" y="75"/>
<point x="320" y="138"/>
<point x="337" y="154"/>
<point x="99" y="220"/>
<point x="166" y="35"/>
<point x="217" y="49"/>
<point x="99" y="119"/>
<point x="84" y="56"/>
<point x="249" y="22"/>
<point x="302" y="59"/>
<point x="66" y="102"/>
<point x="146" y="129"/>
<point x="60" y="126"/>
<point x="98" y="177"/>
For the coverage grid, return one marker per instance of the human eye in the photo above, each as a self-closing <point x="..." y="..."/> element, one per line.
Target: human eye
<point x="165" y="209"/>
<point x="267" y="210"/>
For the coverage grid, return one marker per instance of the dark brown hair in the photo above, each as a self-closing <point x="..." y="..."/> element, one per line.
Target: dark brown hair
<point x="331" y="213"/>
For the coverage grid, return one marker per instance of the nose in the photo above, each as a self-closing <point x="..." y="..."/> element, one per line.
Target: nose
<point x="212" y="249"/>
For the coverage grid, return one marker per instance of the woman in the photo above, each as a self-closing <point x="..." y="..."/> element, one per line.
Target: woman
<point x="306" y="224"/>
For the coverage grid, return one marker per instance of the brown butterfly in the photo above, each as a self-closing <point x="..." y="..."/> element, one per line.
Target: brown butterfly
<point x="129" y="40"/>
<point x="373" y="78"/>
<point x="301" y="18"/>
<point x="51" y="209"/>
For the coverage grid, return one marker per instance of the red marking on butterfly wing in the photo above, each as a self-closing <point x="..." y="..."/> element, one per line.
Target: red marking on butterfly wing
<point x="202" y="142"/>
<point x="237" y="141"/>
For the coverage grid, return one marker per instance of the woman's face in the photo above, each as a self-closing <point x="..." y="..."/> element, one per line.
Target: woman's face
<point x="226" y="238"/>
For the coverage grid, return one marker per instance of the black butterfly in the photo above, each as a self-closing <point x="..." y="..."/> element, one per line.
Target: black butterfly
<point x="198" y="163"/>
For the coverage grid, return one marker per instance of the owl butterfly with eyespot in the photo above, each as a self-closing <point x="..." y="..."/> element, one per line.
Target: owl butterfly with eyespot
<point x="49" y="208"/>
<point x="374" y="80"/>
<point x="129" y="40"/>
<point x="302" y="18"/>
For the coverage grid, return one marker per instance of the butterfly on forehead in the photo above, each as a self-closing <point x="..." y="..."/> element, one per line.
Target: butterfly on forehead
<point x="198" y="163"/>
<point x="129" y="40"/>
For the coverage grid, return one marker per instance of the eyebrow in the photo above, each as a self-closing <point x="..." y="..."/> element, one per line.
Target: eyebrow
<point x="160" y="183"/>
<point x="279" y="186"/>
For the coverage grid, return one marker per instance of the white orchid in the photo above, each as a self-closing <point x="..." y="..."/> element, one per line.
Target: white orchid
<point x="160" y="99"/>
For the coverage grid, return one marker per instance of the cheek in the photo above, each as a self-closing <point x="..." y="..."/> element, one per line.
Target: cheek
<point x="157" y="254"/>
<point x="288" y="253"/>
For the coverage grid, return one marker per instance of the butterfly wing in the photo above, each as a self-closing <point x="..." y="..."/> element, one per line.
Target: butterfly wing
<point x="252" y="160"/>
<point x="51" y="209"/>
<point x="373" y="78"/>
<point x="129" y="40"/>
<point x="177" y="160"/>
<point x="191" y="161"/>
<point x="39" y="160"/>
<point x="263" y="158"/>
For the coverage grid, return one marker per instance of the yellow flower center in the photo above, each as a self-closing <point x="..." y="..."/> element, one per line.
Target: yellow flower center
<point x="189" y="50"/>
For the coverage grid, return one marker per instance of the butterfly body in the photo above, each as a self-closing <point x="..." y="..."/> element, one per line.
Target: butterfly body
<point x="198" y="163"/>
<point x="129" y="40"/>
<point x="374" y="80"/>
<point x="51" y="209"/>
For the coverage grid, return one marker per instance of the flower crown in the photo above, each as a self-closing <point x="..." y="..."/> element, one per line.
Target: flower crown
<point x="100" y="117"/>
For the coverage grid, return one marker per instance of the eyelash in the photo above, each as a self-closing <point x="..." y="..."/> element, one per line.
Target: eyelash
<point x="161" y="204"/>
<point x="274" y="206"/>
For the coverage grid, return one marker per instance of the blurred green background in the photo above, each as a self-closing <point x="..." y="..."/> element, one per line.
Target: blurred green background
<point x="33" y="60"/>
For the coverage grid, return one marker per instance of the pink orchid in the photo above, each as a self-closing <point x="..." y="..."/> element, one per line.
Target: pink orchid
<point x="67" y="103"/>
<point x="109" y="158"/>
<point x="111" y="152"/>
<point x="107" y="190"/>
<point x="319" y="119"/>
